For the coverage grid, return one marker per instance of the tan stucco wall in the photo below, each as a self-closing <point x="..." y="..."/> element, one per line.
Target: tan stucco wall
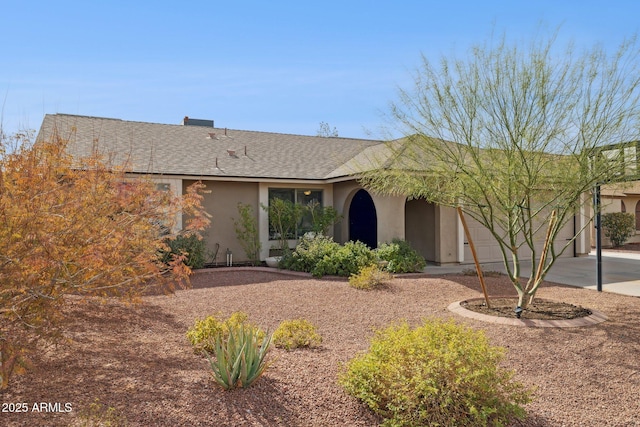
<point x="175" y="186"/>
<point x="440" y="242"/>
<point x="443" y="241"/>
<point x="448" y="230"/>
<point x="389" y="212"/>
<point x="433" y="231"/>
<point x="222" y="204"/>
<point x="630" y="203"/>
<point x="342" y="194"/>
<point x="612" y="205"/>
<point x="583" y="222"/>
<point x="420" y="227"/>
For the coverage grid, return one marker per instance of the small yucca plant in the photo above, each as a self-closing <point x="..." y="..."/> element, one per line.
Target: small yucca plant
<point x="240" y="357"/>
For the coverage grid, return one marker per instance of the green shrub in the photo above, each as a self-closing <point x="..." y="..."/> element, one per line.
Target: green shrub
<point x="284" y="216"/>
<point x="308" y="253"/>
<point x="190" y="244"/>
<point x="205" y="332"/>
<point x="400" y="257"/>
<point x="297" y="333"/>
<point x="618" y="227"/>
<point x="240" y="358"/>
<point x="321" y="256"/>
<point x="348" y="259"/>
<point x="322" y="218"/>
<point x="440" y="373"/>
<point x="369" y="277"/>
<point x="246" y="228"/>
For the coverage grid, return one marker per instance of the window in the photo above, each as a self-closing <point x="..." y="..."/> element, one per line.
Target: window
<point x="163" y="187"/>
<point x="298" y="196"/>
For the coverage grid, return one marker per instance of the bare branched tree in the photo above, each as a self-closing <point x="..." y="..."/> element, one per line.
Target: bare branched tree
<point x="326" y="131"/>
<point x="510" y="135"/>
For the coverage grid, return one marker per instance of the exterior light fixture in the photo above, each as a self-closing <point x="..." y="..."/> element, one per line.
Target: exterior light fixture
<point x="518" y="311"/>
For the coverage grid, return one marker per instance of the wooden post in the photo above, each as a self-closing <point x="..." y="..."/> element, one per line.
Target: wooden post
<point x="475" y="257"/>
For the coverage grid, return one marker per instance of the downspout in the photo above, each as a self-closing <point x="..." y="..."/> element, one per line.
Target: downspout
<point x="575" y="238"/>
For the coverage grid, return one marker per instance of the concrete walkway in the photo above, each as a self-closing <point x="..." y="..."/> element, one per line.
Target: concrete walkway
<point x="620" y="271"/>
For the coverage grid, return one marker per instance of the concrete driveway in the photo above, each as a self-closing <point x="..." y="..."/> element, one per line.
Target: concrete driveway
<point x="620" y="271"/>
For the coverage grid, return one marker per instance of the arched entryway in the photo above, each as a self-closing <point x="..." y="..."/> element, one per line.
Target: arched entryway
<point x="420" y="227"/>
<point x="363" y="221"/>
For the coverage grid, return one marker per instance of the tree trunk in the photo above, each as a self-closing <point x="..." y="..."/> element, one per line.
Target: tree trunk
<point x="523" y="300"/>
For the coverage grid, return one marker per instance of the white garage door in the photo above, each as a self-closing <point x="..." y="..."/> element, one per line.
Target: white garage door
<point x="488" y="251"/>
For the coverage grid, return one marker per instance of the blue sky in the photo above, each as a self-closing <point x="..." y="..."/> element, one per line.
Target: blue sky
<point x="278" y="66"/>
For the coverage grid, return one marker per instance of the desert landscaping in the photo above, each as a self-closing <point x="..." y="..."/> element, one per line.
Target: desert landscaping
<point x="132" y="365"/>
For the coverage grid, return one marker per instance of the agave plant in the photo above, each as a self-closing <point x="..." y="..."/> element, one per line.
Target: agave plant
<point x="240" y="358"/>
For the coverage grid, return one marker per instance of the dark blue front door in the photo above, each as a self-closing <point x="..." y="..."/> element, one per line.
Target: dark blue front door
<point x="363" y="223"/>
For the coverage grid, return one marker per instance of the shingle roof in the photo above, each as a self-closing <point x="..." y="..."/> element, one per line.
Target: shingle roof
<point x="194" y="150"/>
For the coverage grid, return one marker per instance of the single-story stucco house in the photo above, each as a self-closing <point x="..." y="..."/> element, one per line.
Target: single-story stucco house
<point x="252" y="167"/>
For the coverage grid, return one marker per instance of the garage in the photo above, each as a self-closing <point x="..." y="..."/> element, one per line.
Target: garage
<point x="488" y="250"/>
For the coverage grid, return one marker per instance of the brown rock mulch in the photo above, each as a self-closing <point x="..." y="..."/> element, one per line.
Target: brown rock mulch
<point x="540" y="314"/>
<point x="137" y="361"/>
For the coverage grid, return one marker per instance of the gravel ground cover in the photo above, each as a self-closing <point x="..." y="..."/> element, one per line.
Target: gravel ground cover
<point x="137" y="363"/>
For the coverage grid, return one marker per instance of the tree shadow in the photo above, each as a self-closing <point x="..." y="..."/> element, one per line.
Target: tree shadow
<point x="497" y="285"/>
<point x="136" y="363"/>
<point x="533" y="420"/>
<point x="239" y="277"/>
<point x="267" y="405"/>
